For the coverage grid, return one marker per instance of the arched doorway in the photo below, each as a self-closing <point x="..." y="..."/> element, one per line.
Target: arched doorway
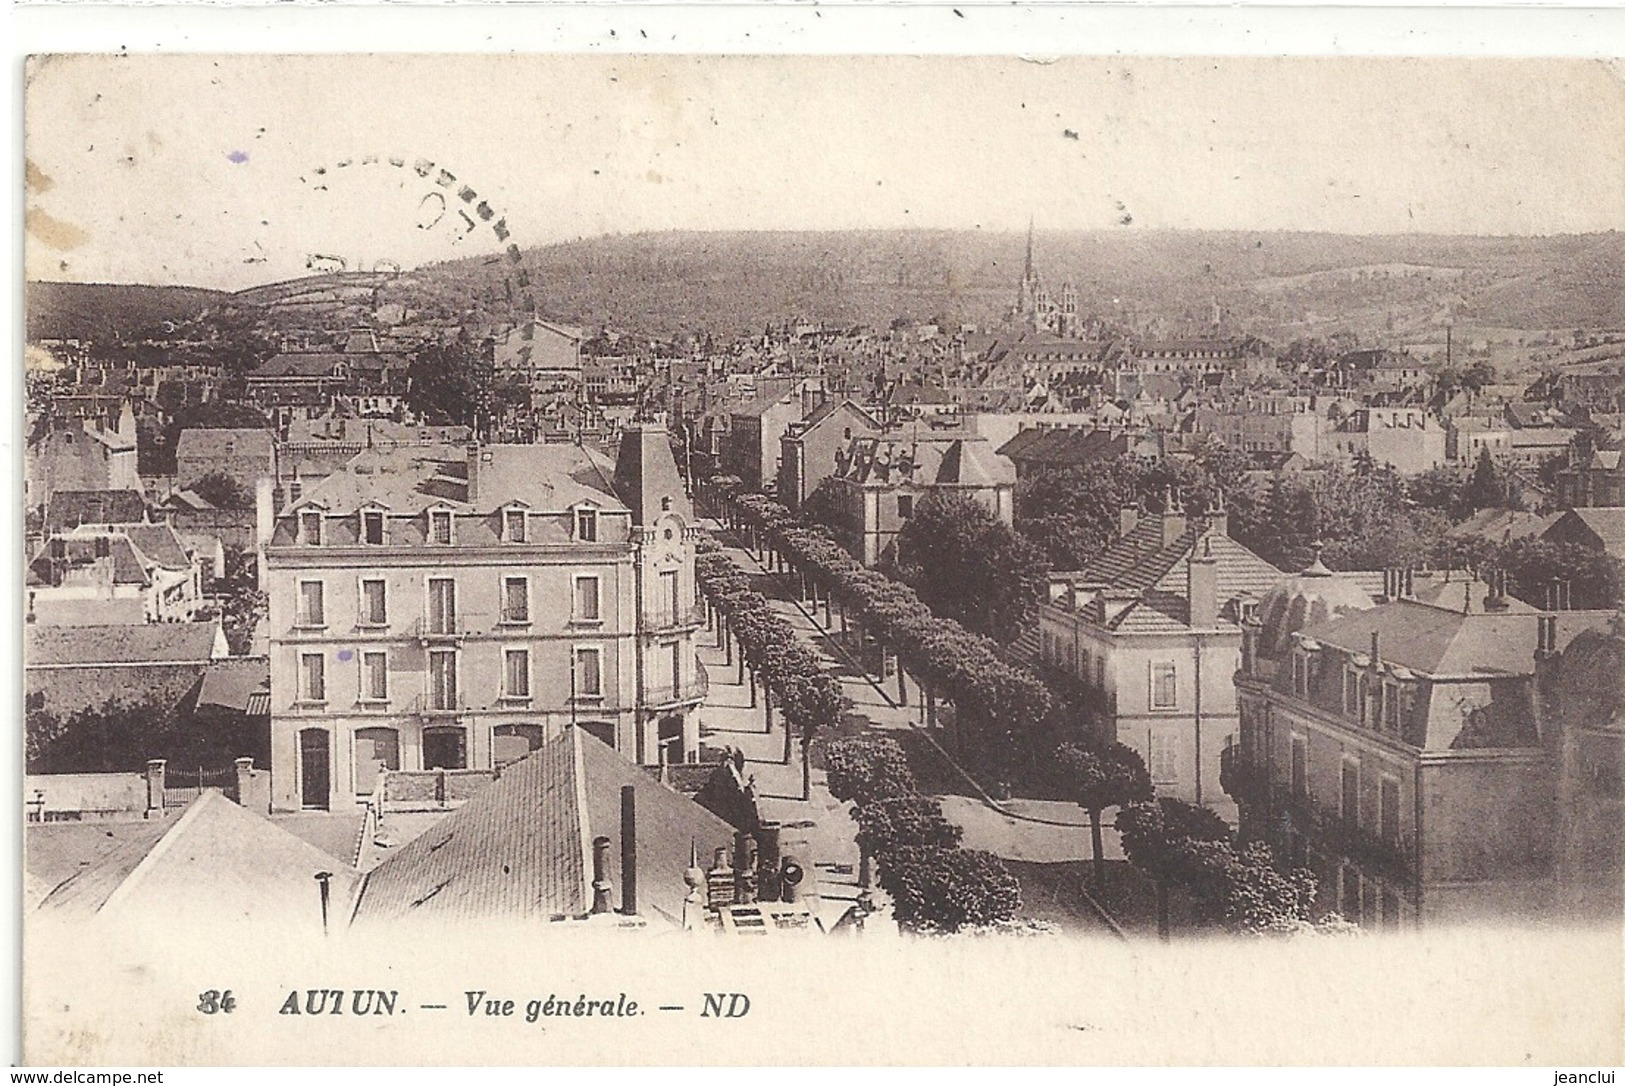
<point x="445" y="748"/>
<point x="376" y="749"/>
<point x="511" y="742"/>
<point x="315" y="778"/>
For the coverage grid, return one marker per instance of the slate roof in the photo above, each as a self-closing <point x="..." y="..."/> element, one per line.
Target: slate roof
<point x="212" y="443"/>
<point x="408" y="480"/>
<point x="216" y="863"/>
<point x="1157" y="573"/>
<point x="522" y="847"/>
<point x="129" y="564"/>
<point x="1065" y="447"/>
<point x="87" y="646"/>
<point x="1448" y="634"/>
<point x="1498" y="525"/>
<point x="239" y="684"/>
<point x="1607" y="523"/>
<point x="71" y="508"/>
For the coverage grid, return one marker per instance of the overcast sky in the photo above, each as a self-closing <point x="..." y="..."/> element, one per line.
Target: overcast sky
<point x="203" y="170"/>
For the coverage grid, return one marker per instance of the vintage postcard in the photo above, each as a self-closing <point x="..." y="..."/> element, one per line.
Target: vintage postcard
<point x="823" y="560"/>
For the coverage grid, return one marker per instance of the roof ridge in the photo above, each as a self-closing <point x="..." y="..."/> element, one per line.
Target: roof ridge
<point x="164" y="843"/>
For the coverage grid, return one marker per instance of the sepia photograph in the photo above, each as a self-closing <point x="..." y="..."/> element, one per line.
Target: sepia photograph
<point x="822" y="559"/>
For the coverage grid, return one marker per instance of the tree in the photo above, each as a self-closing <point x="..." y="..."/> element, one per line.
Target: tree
<point x="1154" y="836"/>
<point x="1487" y="487"/>
<point x="243" y="604"/>
<point x="449" y="383"/>
<point x="1111" y="777"/>
<point x="223" y="492"/>
<point x="119" y="736"/>
<point x="948" y="889"/>
<point x="971" y="567"/>
<point x="903" y="822"/>
<point x="867" y="768"/>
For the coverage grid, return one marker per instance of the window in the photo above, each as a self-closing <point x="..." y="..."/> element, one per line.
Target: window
<point x="372" y="527"/>
<point x="312" y="613"/>
<point x="516" y="599"/>
<point x="1163" y="760"/>
<point x="313" y="676"/>
<point x="1300" y="674"/>
<point x="516" y="673"/>
<point x="1390" y="707"/>
<point x="1365" y="694"/>
<point x="1300" y="765"/>
<point x="374" y="676"/>
<point x="1351" y="793"/>
<point x="588" y="672"/>
<point x="905" y="506"/>
<point x="1351" y="692"/>
<point x="443" y="679"/>
<point x="442" y="605"/>
<point x="1388" y="809"/>
<point x="1164" y="690"/>
<point x="586" y="604"/>
<point x="440" y="526"/>
<point x="1100" y="671"/>
<point x="310" y="528"/>
<point x="1390" y="909"/>
<point x="670" y="601"/>
<point x="513" y="525"/>
<point x="374" y="603"/>
<point x="587" y="525"/>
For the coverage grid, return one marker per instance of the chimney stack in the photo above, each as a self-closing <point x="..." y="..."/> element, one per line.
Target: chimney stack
<point x="600" y="876"/>
<point x="1174" y="521"/>
<point x="629" y="850"/>
<point x="1376" y="647"/>
<point x="1128" y="518"/>
<point x="475" y="454"/>
<point x="1202" y="587"/>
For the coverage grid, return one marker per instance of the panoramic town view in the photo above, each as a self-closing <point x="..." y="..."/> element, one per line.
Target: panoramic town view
<point x="1121" y="579"/>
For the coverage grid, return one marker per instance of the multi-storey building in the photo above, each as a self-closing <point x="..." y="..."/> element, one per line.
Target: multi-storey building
<point x="1150" y="633"/>
<point x="1397" y="750"/>
<point x="451" y="608"/>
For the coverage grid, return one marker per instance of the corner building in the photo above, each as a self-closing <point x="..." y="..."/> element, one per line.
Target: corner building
<point x="446" y="608"/>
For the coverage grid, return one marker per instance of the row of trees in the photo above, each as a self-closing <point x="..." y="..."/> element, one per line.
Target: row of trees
<point x="936" y="886"/>
<point x="968" y="565"/>
<point x="995" y="702"/>
<point x="788" y="671"/>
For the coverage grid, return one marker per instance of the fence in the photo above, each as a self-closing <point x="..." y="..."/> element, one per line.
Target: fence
<point x="182" y="786"/>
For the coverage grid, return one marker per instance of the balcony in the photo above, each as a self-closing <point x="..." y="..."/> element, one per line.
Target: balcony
<point x="428" y="705"/>
<point x="667" y="619"/>
<point x="670" y="695"/>
<point x="440" y="631"/>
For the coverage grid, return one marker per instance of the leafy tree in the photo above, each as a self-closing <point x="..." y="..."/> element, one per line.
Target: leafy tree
<point x="868" y="768"/>
<point x="1154" y="836"/>
<point x="1109" y="777"/>
<point x="449" y="383"/>
<point x="223" y="492"/>
<point x="903" y="822"/>
<point x="1487" y="488"/>
<point x="969" y="566"/>
<point x="119" y="736"/>
<point x="244" y="604"/>
<point x="948" y="889"/>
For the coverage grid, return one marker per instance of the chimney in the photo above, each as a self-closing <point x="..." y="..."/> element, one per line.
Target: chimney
<point x="323" y="878"/>
<point x="744" y="869"/>
<point x="1376" y="647"/>
<point x="600" y="876"/>
<point x="1174" y="521"/>
<point x="1127" y="519"/>
<point x="245" y="777"/>
<point x="629" y="850"/>
<point x="790" y="878"/>
<point x="1202" y="587"/>
<point x="155" y="788"/>
<point x="475" y="455"/>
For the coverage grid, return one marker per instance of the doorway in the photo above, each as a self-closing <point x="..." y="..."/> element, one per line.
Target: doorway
<point x="315" y="781"/>
<point x="445" y="748"/>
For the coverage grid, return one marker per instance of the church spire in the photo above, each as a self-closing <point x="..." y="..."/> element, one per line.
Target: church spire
<point x="1027" y="274"/>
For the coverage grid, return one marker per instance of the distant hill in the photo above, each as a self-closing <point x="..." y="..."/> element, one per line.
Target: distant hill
<point x="103" y="310"/>
<point x="1275" y="283"/>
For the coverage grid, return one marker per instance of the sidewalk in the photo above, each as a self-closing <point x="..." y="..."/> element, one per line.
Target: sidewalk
<point x="1027" y="830"/>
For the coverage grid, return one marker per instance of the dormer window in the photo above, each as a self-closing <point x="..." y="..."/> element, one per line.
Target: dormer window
<point x="310" y="528"/>
<point x="372" y="527"/>
<point x="587" y="525"/>
<point x="513" y="525"/>
<point x="440" y="526"/>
